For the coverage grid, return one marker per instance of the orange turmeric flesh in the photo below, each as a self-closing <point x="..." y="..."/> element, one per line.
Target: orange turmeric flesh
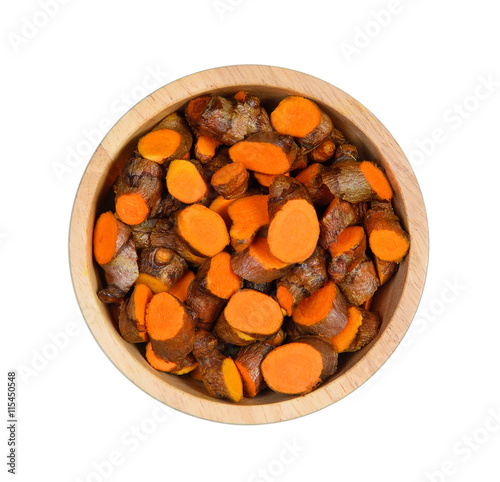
<point x="185" y="183"/>
<point x="158" y="145"/>
<point x="259" y="250"/>
<point x="142" y="296"/>
<point x="228" y="172"/>
<point x="377" y="180"/>
<point x="293" y="368"/>
<point x="294" y="231"/>
<point x="388" y="245"/>
<point x="156" y="362"/>
<point x="317" y="306"/>
<point x="180" y="289"/>
<point x="221" y="206"/>
<point x="343" y="340"/>
<point x="132" y="208"/>
<point x="203" y="229"/>
<point x="266" y="179"/>
<point x="285" y="299"/>
<point x="296" y="116"/>
<point x="347" y="239"/>
<point x="205" y="147"/>
<point x="221" y="279"/>
<point x="105" y="236"/>
<point x="252" y="312"/>
<point x="164" y="316"/>
<point x="232" y="379"/>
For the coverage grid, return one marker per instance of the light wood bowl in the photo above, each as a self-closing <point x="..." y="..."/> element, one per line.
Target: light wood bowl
<point x="396" y="302"/>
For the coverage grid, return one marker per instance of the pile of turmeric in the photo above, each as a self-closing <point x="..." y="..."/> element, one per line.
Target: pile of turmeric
<point x="245" y="248"/>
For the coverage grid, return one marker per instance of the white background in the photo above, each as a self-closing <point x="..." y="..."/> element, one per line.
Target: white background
<point x="430" y="409"/>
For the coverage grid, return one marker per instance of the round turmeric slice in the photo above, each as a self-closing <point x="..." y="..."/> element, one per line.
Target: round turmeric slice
<point x="184" y="182"/>
<point x="296" y="116"/>
<point x="132" y="208"/>
<point x="158" y="145"/>
<point x="105" y="236"/>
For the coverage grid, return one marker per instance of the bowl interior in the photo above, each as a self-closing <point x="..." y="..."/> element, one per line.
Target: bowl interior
<point x="396" y="301"/>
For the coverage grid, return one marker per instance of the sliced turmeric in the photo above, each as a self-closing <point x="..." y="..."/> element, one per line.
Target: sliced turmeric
<point x="185" y="181"/>
<point x="343" y="340"/>
<point x="180" y="288"/>
<point x="181" y="368"/>
<point x="347" y="251"/>
<point x="299" y="367"/>
<point x="367" y="331"/>
<point x="218" y="278"/>
<point x="248" y="361"/>
<point x="221" y="206"/>
<point x="266" y="179"/>
<point x="204" y="149"/>
<point x="231" y="181"/>
<point x="293" y="224"/>
<point x="130" y="330"/>
<point x="312" y="179"/>
<point x="385" y="269"/>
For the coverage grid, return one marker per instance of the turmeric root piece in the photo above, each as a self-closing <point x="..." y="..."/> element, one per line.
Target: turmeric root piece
<point x="115" y="252"/>
<point x="297" y="368"/>
<point x="204" y="148"/>
<point x="278" y="339"/>
<point x="387" y="240"/>
<point x="324" y="313"/>
<point x="129" y="329"/>
<point x="231" y="181"/>
<point x="248" y="214"/>
<point x="324" y="152"/>
<point x="267" y="152"/>
<point x="248" y="361"/>
<point x="180" y="288"/>
<point x="218" y="278"/>
<point x="367" y="331"/>
<point x="227" y="120"/>
<point x="164" y="236"/>
<point x="138" y="190"/>
<point x="202" y="229"/>
<point x="385" y="269"/>
<point x="338" y="137"/>
<point x="136" y="305"/>
<point x="302" y="118"/>
<point x="265" y="288"/>
<point x="160" y="268"/>
<point x="141" y="233"/>
<point x="196" y="374"/>
<point x="170" y="327"/>
<point x="228" y="334"/>
<point x="220" y="160"/>
<point x="221" y="206"/>
<point x="205" y="306"/>
<point x="346" y="152"/>
<point x="343" y="340"/>
<point x="302" y="281"/>
<point x="180" y="368"/>
<point x="111" y="294"/>
<point x="265" y="180"/>
<point x="257" y="264"/>
<point x="219" y="374"/>
<point x="300" y="162"/>
<point x="293" y="224"/>
<point x="356" y="182"/>
<point x="185" y="181"/>
<point x="313" y="181"/>
<point x="170" y="139"/>
<point x="250" y="313"/>
<point x="367" y="304"/>
<point x="360" y="283"/>
<point x="347" y="251"/>
<point x="338" y="216"/>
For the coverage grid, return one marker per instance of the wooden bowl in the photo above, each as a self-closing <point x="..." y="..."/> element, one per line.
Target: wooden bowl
<point x="396" y="302"/>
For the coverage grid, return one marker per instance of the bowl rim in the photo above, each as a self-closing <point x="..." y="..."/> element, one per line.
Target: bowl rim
<point x="148" y="112"/>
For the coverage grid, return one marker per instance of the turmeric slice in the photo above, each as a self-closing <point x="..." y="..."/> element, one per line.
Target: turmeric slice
<point x="367" y="331"/>
<point x="163" y="235"/>
<point x="248" y="361"/>
<point x="360" y="283"/>
<point x="248" y="214"/>
<point x="170" y="139"/>
<point x="302" y="118"/>
<point x="347" y="251"/>
<point x="138" y="190"/>
<point x="257" y="264"/>
<point x="356" y="182"/>
<point x="204" y="149"/>
<point x="221" y="205"/>
<point x="136" y="305"/>
<point x="226" y="119"/>
<point x="170" y="327"/>
<point x="115" y="252"/>
<point x="219" y="374"/>
<point x="231" y="181"/>
<point x="228" y="334"/>
<point x="293" y="227"/>
<point x="218" y="278"/>
<point x="313" y="181"/>
<point x="387" y="240"/>
<point x="266" y="179"/>
<point x="297" y="368"/>
<point x="202" y="229"/>
<point x="181" y="368"/>
<point x="185" y="181"/>
<point x="180" y="288"/>
<point x="346" y="152"/>
<point x="343" y="340"/>
<point x="302" y="281"/>
<point x="338" y="216"/>
<point x="160" y="268"/>
<point x="220" y="160"/>
<point x="323" y="313"/>
<point x="252" y="313"/>
<point x="267" y="153"/>
<point x="130" y="331"/>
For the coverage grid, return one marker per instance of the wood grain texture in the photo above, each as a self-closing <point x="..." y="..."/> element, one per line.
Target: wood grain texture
<point x="396" y="302"/>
